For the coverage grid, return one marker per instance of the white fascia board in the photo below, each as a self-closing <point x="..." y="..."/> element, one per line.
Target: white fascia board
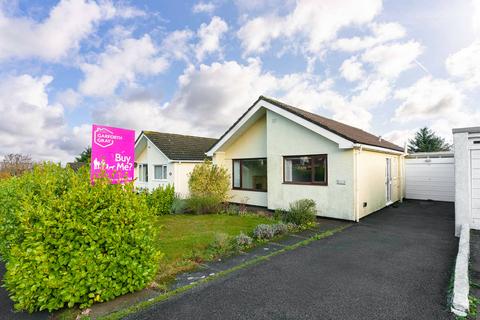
<point x="139" y="138"/>
<point x="192" y="161"/>
<point x="342" y="142"/>
<point x="379" y="149"/>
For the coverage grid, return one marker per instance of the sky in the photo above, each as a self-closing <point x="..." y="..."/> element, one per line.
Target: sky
<point x="193" y="67"/>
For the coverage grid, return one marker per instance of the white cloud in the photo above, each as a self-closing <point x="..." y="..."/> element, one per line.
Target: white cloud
<point x="68" y="98"/>
<point x="177" y="44"/>
<point x="381" y="32"/>
<point x="351" y="69"/>
<point x="257" y="33"/>
<point x="121" y="63"/>
<point x="209" y="37"/>
<point x="427" y="99"/>
<point x="315" y="22"/>
<point x="204" y="7"/>
<point x="374" y="93"/>
<point x="465" y="64"/>
<point x="35" y="126"/>
<point x="476" y="17"/>
<point x="400" y="137"/>
<point x="68" y="23"/>
<point x="390" y="60"/>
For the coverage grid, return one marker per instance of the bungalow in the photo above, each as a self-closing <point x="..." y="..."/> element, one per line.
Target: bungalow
<point x="277" y="154"/>
<point x="166" y="158"/>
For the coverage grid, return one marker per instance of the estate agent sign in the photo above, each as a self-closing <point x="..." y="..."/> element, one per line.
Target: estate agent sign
<point x="113" y="151"/>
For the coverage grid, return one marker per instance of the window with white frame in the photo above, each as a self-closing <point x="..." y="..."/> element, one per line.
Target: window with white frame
<point x="160" y="172"/>
<point x="143" y="172"/>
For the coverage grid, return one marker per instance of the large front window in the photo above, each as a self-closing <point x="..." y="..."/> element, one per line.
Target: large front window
<point x="250" y="174"/>
<point x="305" y="169"/>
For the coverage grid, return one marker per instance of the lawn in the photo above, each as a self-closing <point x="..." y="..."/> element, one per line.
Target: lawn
<point x="181" y="236"/>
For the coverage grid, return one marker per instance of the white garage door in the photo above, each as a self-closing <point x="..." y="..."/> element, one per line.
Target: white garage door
<point x="430" y="179"/>
<point x="475" y="165"/>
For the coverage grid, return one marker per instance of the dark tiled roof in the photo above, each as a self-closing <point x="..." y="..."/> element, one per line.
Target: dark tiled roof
<point x="348" y="132"/>
<point x="180" y="147"/>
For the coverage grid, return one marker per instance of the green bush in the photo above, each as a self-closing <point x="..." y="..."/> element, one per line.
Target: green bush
<point x="301" y="212"/>
<point x="66" y="242"/>
<point x="160" y="200"/>
<point x="179" y="205"/>
<point x="208" y="185"/>
<point x="203" y="204"/>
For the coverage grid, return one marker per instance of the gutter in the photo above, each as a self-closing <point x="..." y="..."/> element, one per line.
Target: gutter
<point x="373" y="148"/>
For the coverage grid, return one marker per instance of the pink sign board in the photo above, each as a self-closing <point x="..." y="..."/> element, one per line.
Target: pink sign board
<point x="113" y="151"/>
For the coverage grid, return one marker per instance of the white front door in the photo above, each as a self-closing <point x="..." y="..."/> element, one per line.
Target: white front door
<point x="388" y="180"/>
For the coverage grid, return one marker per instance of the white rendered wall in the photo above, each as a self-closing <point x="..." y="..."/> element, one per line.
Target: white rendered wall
<point x="462" y="181"/>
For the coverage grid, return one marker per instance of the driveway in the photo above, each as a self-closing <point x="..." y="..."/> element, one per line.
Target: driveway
<point x="394" y="264"/>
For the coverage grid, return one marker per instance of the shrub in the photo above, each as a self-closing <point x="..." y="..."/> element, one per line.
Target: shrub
<point x="67" y="242"/>
<point x="231" y="209"/>
<point x="280" y="229"/>
<point x="179" y="205"/>
<point x="242" y="241"/>
<point x="221" y="245"/>
<point x="160" y="200"/>
<point x="208" y="185"/>
<point x="301" y="212"/>
<point x="263" y="231"/>
<point x="4" y="175"/>
<point x="203" y="204"/>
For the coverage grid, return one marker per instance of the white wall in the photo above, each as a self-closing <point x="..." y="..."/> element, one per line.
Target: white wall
<point x="285" y="137"/>
<point x="467" y="177"/>
<point x="371" y="178"/>
<point x="251" y="144"/>
<point x="462" y="183"/>
<point x="182" y="171"/>
<point x="152" y="156"/>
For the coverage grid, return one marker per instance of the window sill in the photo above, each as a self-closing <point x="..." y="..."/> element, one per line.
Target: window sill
<point x="306" y="183"/>
<point x="242" y="189"/>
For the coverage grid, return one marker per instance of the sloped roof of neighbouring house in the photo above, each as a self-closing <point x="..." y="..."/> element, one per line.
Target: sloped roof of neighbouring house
<point x="345" y="131"/>
<point x="180" y="147"/>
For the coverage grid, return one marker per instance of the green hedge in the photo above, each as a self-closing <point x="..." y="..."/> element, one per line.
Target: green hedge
<point x="161" y="199"/>
<point x="66" y="242"/>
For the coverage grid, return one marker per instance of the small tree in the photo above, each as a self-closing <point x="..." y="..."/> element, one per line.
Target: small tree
<point x="208" y="185"/>
<point x="15" y="164"/>
<point x="426" y="140"/>
<point x="85" y="156"/>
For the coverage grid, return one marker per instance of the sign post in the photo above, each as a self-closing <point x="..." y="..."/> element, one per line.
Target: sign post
<point x="113" y="153"/>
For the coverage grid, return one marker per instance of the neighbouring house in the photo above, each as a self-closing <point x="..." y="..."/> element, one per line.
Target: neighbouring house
<point x="466" y="143"/>
<point x="277" y="154"/>
<point x="166" y="158"/>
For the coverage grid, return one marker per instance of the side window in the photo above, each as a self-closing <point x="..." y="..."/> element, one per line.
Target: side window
<point x="160" y="172"/>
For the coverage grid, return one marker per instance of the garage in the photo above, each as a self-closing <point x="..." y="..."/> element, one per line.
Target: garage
<point x="430" y="176"/>
<point x="467" y="175"/>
